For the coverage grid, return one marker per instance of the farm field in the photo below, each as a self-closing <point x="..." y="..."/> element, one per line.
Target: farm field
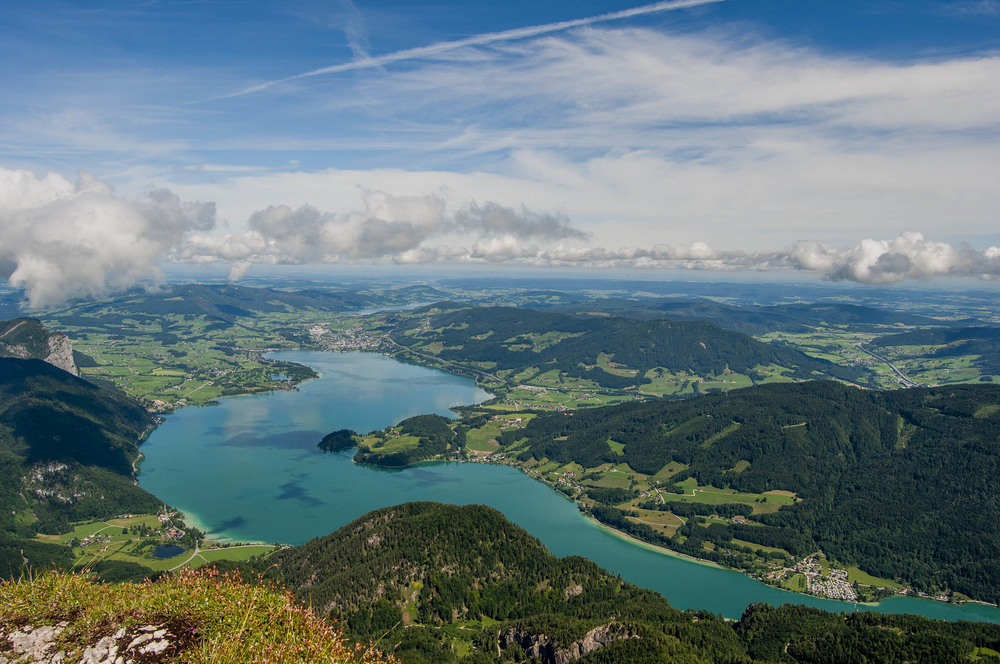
<point x="133" y="538"/>
<point x="921" y="364"/>
<point x="169" y="360"/>
<point x="762" y="503"/>
<point x="183" y="360"/>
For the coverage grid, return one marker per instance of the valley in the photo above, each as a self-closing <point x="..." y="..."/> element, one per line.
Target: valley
<point x="679" y="434"/>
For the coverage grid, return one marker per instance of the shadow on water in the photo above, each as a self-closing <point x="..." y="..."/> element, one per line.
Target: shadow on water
<point x="288" y="440"/>
<point x="214" y="463"/>
<point x="293" y="491"/>
<point x="233" y="523"/>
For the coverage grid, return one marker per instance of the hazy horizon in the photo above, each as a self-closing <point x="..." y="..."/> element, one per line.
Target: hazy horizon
<point x="854" y="141"/>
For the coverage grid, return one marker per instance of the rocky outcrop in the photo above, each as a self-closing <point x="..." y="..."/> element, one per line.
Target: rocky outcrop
<point x="53" y="644"/>
<point x="540" y="647"/>
<point x="27" y="338"/>
<point x="61" y="353"/>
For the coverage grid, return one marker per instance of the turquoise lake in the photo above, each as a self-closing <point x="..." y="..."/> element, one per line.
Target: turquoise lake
<point x="248" y="469"/>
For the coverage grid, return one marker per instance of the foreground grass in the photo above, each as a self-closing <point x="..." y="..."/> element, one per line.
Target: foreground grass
<point x="223" y="619"/>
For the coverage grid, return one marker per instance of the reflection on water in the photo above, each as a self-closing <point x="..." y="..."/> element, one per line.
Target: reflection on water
<point x="249" y="470"/>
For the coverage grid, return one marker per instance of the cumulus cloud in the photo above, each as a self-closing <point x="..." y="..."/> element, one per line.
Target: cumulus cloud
<point x="238" y="270"/>
<point x="393" y="228"/>
<point x="906" y="257"/>
<point x="419" y="229"/>
<point x="60" y="239"/>
<point x="492" y="219"/>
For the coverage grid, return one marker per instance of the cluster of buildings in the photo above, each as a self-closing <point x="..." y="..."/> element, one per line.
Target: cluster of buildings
<point x="504" y="423"/>
<point x="96" y="538"/>
<point x="834" y="584"/>
<point x="350" y="339"/>
<point x="536" y="406"/>
<point x="172" y="532"/>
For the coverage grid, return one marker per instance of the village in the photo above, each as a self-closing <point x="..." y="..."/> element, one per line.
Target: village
<point x="833" y="585"/>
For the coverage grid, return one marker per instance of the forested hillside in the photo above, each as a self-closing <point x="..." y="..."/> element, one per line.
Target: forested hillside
<point x="441" y="583"/>
<point x="902" y="483"/>
<point x="27" y="338"/>
<point x="752" y="319"/>
<point x="66" y="453"/>
<point x="518" y="339"/>
<point x="226" y="303"/>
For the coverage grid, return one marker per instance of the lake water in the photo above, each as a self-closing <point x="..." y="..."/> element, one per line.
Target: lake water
<point x="248" y="469"/>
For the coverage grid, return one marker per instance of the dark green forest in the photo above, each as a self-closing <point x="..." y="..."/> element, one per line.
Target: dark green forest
<point x="66" y="453"/>
<point x="902" y="483"/>
<point x="434" y="435"/>
<point x="505" y="335"/>
<point x="752" y="320"/>
<point x="473" y="582"/>
<point x="23" y="338"/>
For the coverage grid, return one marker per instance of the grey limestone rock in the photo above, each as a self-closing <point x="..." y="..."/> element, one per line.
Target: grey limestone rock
<point x="146" y="644"/>
<point x="61" y="353"/>
<point x="539" y="646"/>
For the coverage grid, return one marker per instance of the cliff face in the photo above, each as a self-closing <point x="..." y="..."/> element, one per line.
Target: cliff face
<point x="540" y="647"/>
<point x="61" y="353"/>
<point x="27" y="339"/>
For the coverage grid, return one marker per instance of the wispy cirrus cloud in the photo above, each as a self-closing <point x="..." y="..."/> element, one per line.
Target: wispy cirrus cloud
<point x="583" y="143"/>
<point x="972" y="8"/>
<point x="442" y="47"/>
<point x="224" y="168"/>
<point x="650" y="80"/>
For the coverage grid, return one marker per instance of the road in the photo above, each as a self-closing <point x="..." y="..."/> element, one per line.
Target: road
<point x="194" y="553"/>
<point x="197" y="551"/>
<point x="437" y="360"/>
<point x="902" y="377"/>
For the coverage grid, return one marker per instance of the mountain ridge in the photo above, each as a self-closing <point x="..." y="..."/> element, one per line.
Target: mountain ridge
<point x="27" y="338"/>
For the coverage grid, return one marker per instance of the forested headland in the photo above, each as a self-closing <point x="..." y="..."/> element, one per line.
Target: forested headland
<point x="901" y="483"/>
<point x="442" y="583"/>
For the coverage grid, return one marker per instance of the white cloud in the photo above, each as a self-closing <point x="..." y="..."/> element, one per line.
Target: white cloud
<point x="441" y="48"/>
<point x="60" y="240"/>
<point x="972" y="8"/>
<point x="389" y="227"/>
<point x="561" y="144"/>
<point x="644" y="135"/>
<point x="223" y="168"/>
<point x="415" y="229"/>
<point x="646" y="79"/>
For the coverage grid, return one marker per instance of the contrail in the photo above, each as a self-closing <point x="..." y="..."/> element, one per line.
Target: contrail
<point x="477" y="40"/>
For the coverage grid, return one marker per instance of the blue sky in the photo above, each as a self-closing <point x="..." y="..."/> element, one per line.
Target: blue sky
<point x="852" y="139"/>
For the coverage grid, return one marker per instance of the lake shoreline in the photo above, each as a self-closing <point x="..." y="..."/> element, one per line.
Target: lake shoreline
<point x="277" y="487"/>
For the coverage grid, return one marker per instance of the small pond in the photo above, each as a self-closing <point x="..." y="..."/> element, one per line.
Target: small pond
<point x="165" y="551"/>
